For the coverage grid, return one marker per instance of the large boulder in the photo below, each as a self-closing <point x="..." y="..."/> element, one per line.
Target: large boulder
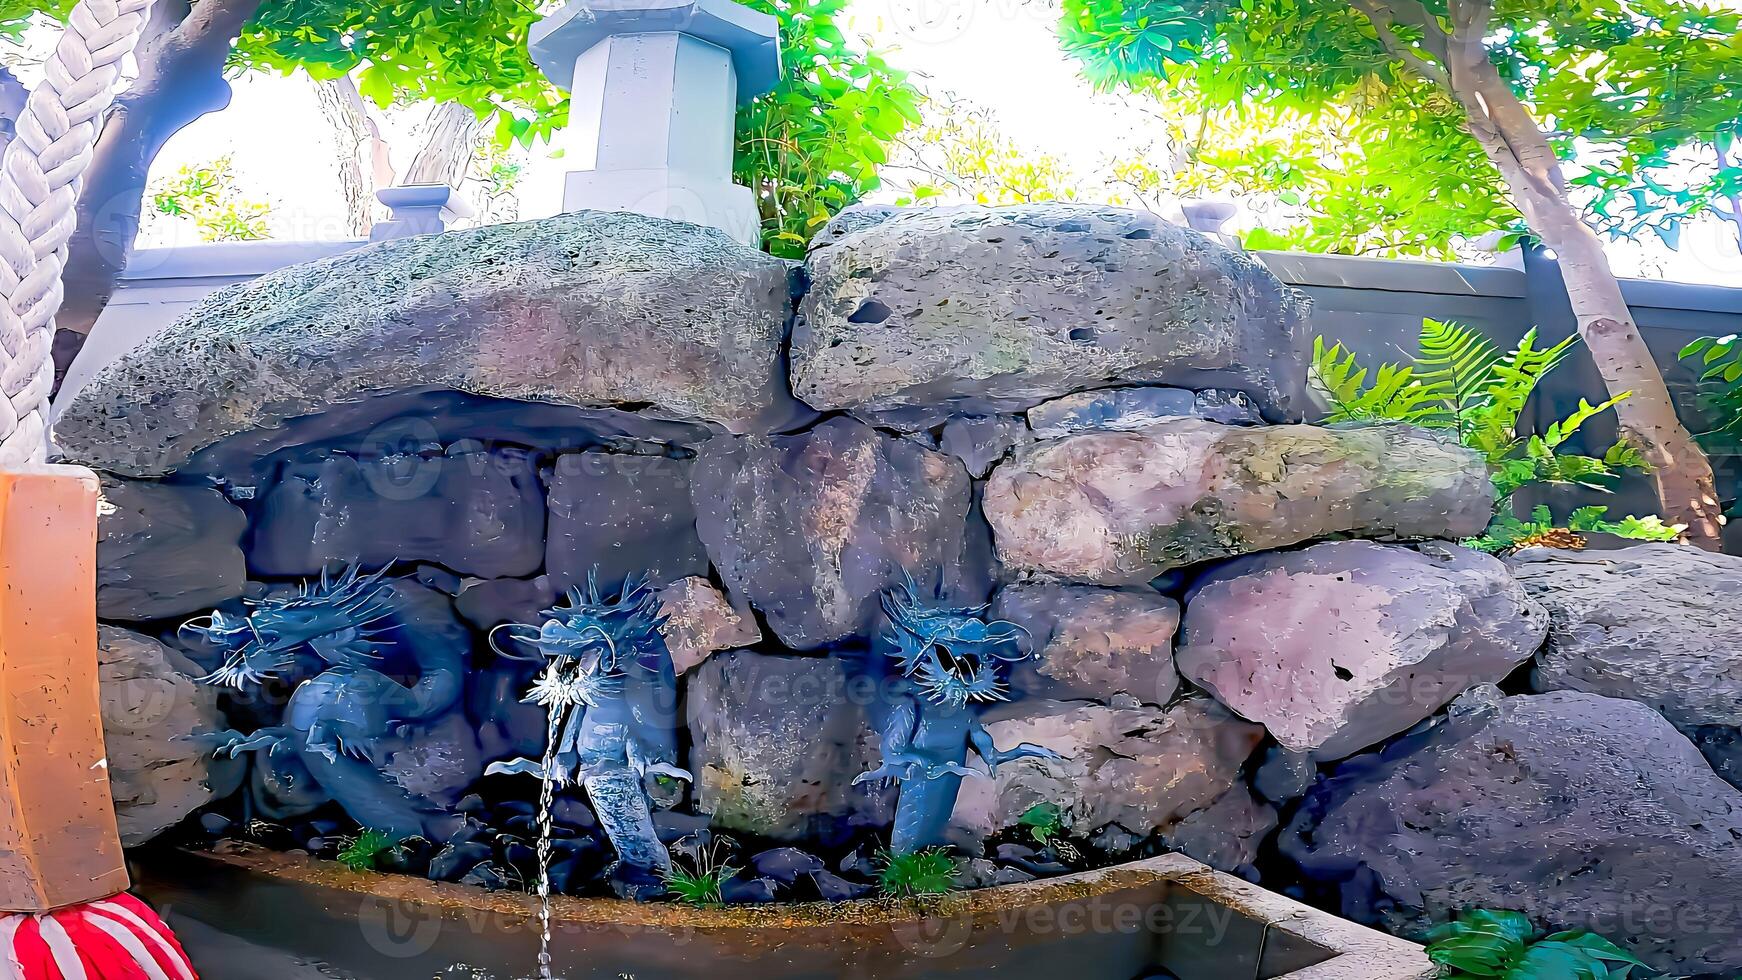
<point x="474" y="511"/>
<point x="1337" y="646"/>
<point x="621" y="515"/>
<point x="1129" y="769"/>
<point x="1584" y="811"/>
<point x="589" y="309"/>
<point x="986" y="310"/>
<point x="1655" y="623"/>
<point x="1093" y="643"/>
<point x="776" y="742"/>
<point x="165" y="550"/>
<point x="1120" y="508"/>
<point x="812" y="527"/>
<point x="150" y="707"/>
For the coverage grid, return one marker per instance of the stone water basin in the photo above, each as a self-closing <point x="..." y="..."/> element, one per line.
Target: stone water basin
<point x="1132" y="921"/>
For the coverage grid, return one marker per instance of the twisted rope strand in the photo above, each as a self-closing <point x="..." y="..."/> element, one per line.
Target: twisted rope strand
<point x="39" y="191"/>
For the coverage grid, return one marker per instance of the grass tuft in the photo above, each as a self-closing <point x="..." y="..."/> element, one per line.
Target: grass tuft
<point x="364" y="852"/>
<point x="924" y="872"/>
<point x="703" y="885"/>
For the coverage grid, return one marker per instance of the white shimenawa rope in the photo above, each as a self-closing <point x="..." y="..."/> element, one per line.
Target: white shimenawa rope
<point x="39" y="190"/>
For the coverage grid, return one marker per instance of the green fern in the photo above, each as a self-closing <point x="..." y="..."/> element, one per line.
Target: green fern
<point x="1506" y="532"/>
<point x="1457" y="365"/>
<point x="703" y="885"/>
<point x="1459" y="381"/>
<point x="1395" y="396"/>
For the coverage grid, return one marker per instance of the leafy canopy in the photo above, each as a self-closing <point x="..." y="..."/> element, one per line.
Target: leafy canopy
<point x="808" y="148"/>
<point x="207" y="194"/>
<point x="959" y="152"/>
<point x="1460" y="382"/>
<point x="1647" y="92"/>
<point x="813" y="145"/>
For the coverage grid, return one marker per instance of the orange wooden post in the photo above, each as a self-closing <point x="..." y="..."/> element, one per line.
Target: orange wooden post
<point x="59" y="845"/>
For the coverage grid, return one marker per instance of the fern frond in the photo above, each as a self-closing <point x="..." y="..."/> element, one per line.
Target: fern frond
<point x="1515" y="376"/>
<point x="1625" y="455"/>
<point x="1397" y="395"/>
<point x="1648" y="528"/>
<point x="1460" y="363"/>
<point x="1563" y="430"/>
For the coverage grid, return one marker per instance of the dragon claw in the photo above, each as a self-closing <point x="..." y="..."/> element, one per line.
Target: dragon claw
<point x="1027" y="750"/>
<point x="233" y="744"/>
<point x="515" y="767"/>
<point x="885" y="771"/>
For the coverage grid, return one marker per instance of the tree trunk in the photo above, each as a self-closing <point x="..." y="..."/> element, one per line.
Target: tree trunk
<point x="450" y="137"/>
<point x="12" y="96"/>
<point x="358" y="140"/>
<point x="181" y="78"/>
<point x="1515" y="143"/>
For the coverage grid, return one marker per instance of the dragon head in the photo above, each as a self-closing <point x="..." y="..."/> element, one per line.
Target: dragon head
<point x="591" y="642"/>
<point x="953" y="655"/>
<point x="334" y="617"/>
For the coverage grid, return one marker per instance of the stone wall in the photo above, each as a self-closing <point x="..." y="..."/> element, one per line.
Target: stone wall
<point x="1083" y="416"/>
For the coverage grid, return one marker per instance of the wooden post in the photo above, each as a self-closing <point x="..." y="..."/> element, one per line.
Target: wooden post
<point x="59" y="844"/>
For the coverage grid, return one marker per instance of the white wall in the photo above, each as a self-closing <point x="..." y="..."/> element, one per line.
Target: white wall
<point x="161" y="284"/>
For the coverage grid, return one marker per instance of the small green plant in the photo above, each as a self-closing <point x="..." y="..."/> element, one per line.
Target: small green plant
<point x="1487" y="943"/>
<point x="1720" y="367"/>
<point x="1044" y="822"/>
<point x="1462" y="383"/>
<point x="924" y="872"/>
<point x="364" y="852"/>
<point x="703" y="885"/>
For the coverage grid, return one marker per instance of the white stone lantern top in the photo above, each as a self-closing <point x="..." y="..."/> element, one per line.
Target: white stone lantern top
<point x="752" y="37"/>
<point x="654" y="87"/>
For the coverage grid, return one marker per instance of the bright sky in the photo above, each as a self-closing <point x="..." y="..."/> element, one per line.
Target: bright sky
<point x="1001" y="54"/>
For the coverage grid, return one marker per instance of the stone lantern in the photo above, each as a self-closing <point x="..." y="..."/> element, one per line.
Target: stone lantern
<point x="654" y="88"/>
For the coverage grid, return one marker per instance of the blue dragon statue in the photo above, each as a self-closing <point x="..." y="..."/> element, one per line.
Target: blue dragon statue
<point x="951" y="661"/>
<point x="369" y="693"/>
<point x="610" y="691"/>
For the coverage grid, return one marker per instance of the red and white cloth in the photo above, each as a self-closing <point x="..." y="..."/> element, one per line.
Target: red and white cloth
<point x="118" y="938"/>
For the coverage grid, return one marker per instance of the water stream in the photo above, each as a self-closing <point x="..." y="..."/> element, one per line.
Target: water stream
<point x="555" y="713"/>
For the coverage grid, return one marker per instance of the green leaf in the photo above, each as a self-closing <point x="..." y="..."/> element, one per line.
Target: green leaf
<point x="1460" y="363"/>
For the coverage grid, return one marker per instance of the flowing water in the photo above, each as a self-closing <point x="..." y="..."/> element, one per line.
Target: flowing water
<point x="554" y="714"/>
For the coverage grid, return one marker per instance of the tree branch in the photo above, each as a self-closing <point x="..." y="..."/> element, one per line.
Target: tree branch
<point x="353" y="130"/>
<point x="181" y="78"/>
<point x="450" y="138"/>
<point x="1382" y="18"/>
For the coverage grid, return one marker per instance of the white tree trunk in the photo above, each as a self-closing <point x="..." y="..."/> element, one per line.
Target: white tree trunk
<point x="449" y="138"/>
<point x="363" y="162"/>
<point x="1514" y="142"/>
